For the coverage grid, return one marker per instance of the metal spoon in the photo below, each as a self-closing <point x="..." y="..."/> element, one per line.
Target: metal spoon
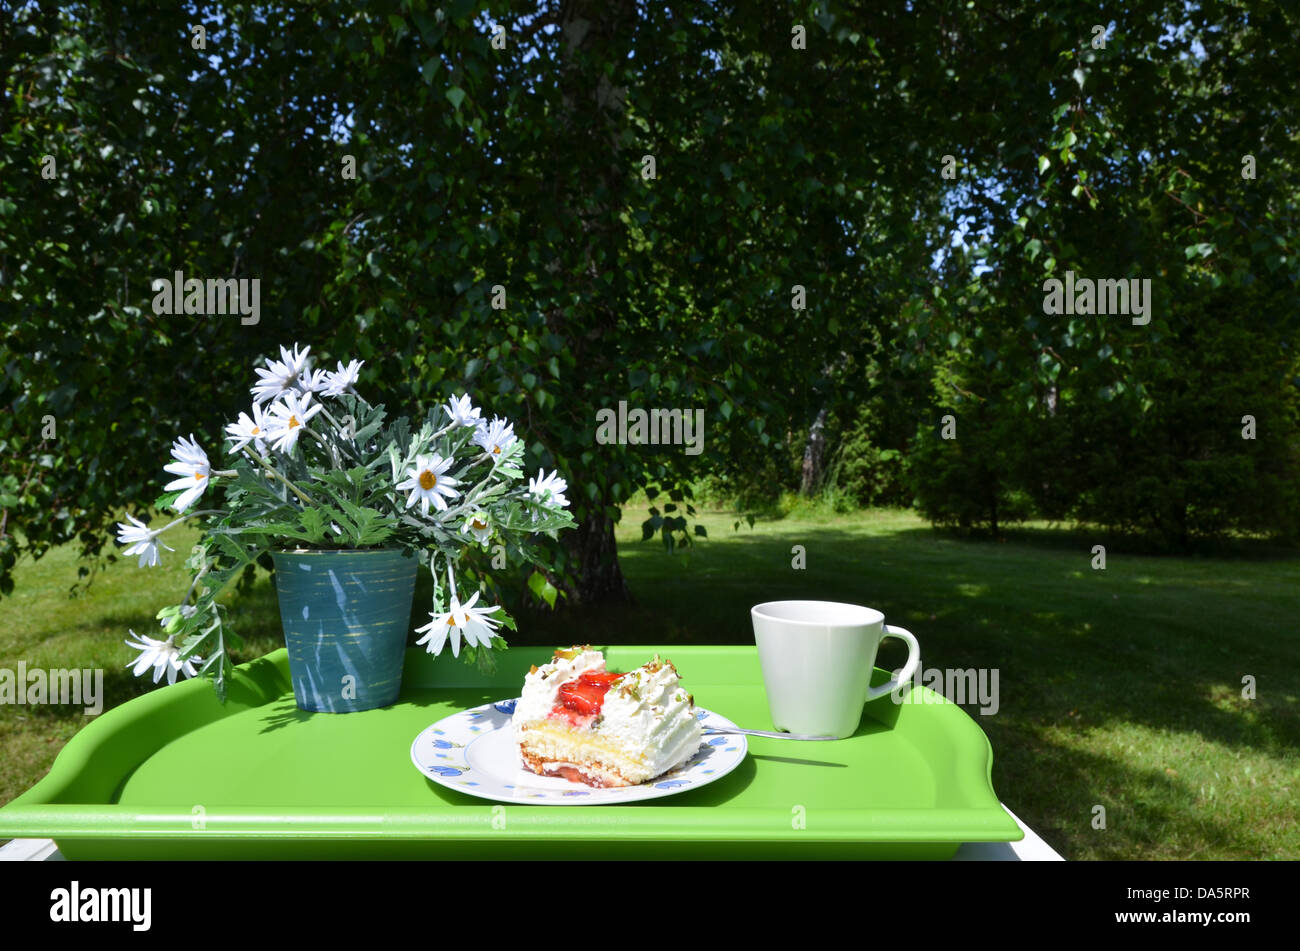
<point x="778" y="736"/>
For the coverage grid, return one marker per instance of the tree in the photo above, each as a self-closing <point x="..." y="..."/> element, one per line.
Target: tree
<point x="1131" y="162"/>
<point x="483" y="175"/>
<point x="504" y="232"/>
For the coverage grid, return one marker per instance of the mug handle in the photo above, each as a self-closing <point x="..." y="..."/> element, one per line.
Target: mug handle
<point x="913" y="658"/>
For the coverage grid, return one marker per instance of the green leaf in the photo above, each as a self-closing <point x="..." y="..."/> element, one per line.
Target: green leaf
<point x="313" y="525"/>
<point x="233" y="549"/>
<point x="373" y="528"/>
<point x="167" y="499"/>
<point x="542" y="588"/>
<point x="456" y="95"/>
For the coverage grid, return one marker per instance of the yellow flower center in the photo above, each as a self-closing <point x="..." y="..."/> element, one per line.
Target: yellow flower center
<point x="428" y="480"/>
<point x="293" y="422"/>
<point x="257" y="430"/>
<point x="477" y="525"/>
<point x="198" y="476"/>
<point x="497" y="450"/>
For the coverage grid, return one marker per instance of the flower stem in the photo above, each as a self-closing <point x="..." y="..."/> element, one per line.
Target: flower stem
<point x="202" y="572"/>
<point x="339" y="426"/>
<point x="468" y="498"/>
<point x="329" y="447"/>
<point x="269" y="468"/>
<point x="190" y="515"/>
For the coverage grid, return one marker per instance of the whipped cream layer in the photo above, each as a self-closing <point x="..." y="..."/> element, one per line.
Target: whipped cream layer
<point x="646" y="715"/>
<point x="542" y="686"/>
<point x="649" y="712"/>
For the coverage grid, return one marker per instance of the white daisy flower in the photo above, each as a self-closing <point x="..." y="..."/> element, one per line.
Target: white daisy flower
<point x="248" y="430"/>
<point x="495" y="437"/>
<point x="280" y="375"/>
<point x="137" y="535"/>
<point x="477" y="525"/>
<point x="344" y="378"/>
<point x="549" y="488"/>
<point x="192" y="466"/>
<point x="313" y="381"/>
<point x="287" y="419"/>
<point x="462" y="411"/>
<point x="427" y="483"/>
<point x="161" y="655"/>
<point x="473" y="622"/>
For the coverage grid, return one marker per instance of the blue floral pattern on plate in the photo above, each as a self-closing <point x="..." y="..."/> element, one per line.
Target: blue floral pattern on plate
<point x="473" y="753"/>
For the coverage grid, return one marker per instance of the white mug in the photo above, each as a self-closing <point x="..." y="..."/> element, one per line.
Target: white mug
<point x="817" y="658"/>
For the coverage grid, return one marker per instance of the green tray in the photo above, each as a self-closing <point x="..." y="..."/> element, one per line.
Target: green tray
<point x="175" y="775"/>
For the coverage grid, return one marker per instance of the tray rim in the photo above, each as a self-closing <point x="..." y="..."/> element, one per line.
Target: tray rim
<point x="36" y="813"/>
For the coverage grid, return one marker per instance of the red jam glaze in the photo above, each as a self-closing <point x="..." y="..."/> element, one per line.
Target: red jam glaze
<point x="570" y="773"/>
<point x="579" y="701"/>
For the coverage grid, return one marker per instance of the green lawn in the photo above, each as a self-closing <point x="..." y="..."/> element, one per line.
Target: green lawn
<point x="1119" y="687"/>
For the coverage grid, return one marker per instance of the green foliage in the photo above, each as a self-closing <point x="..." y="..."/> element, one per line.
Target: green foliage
<point x="861" y="472"/>
<point x="522" y="168"/>
<point x="1171" y="459"/>
<point x="1125" y="162"/>
<point x="542" y="588"/>
<point x="518" y="167"/>
<point x="1158" y="449"/>
<point x="965" y="481"/>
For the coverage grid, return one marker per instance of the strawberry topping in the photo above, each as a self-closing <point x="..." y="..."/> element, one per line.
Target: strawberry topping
<point x="585" y="695"/>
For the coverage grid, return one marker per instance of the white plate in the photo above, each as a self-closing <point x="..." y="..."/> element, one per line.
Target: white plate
<point x="474" y="752"/>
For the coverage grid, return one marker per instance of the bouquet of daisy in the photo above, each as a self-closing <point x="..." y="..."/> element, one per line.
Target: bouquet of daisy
<point x="313" y="465"/>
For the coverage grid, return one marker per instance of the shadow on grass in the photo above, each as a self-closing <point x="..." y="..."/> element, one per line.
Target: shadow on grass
<point x="1083" y="537"/>
<point x="1148" y="813"/>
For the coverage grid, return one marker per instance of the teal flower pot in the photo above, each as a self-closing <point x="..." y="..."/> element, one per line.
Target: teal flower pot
<point x="346" y="616"/>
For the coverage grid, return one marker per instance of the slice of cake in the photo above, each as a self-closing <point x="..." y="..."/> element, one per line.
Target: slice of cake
<point x="577" y="720"/>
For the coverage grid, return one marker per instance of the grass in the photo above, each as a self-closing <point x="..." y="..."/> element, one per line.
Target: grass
<point x="1120" y="688"/>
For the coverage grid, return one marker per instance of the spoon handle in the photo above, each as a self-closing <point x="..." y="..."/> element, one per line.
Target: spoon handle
<point x="774" y="735"/>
